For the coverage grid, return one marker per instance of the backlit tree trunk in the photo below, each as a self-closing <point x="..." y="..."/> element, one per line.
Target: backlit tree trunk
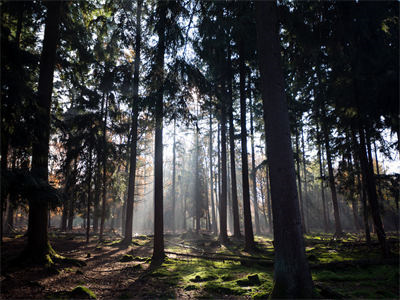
<point x="248" y="226"/>
<point x="104" y="173"/>
<point x="158" y="251"/>
<point x="292" y="277"/>
<point x="234" y="197"/>
<point x="253" y="167"/>
<point x="338" y="225"/>
<point x="135" y="113"/>
<point x="38" y="245"/>
<point x="214" y="221"/>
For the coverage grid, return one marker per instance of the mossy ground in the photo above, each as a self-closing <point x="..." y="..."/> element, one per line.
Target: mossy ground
<point x="114" y="270"/>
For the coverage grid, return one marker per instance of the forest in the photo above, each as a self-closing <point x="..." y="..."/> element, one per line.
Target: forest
<point x="199" y="149"/>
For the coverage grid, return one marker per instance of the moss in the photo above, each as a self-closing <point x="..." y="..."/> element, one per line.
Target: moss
<point x="227" y="278"/>
<point x="139" y="258"/>
<point x="198" y="278"/>
<point x="215" y="288"/>
<point x="112" y="243"/>
<point x="81" y="292"/>
<point x="126" y="258"/>
<point x="251" y="280"/>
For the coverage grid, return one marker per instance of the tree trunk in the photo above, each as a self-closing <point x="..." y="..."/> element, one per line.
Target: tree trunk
<point x="322" y="176"/>
<point x="135" y="113"/>
<point x="378" y="177"/>
<point x="96" y="197"/>
<point x="104" y="161"/>
<point x="292" y="277"/>
<point x="362" y="188"/>
<point x="268" y="198"/>
<point x="338" y="225"/>
<point x="371" y="191"/>
<point x="197" y="197"/>
<point x="38" y="245"/>
<point x="158" y="251"/>
<point x="264" y="207"/>
<point x="223" y="200"/>
<point x="214" y="221"/>
<point x="89" y="196"/>
<point x="303" y="223"/>
<point x="174" y="178"/>
<point x="306" y="200"/>
<point x="253" y="166"/>
<point x="248" y="226"/>
<point x="234" y="197"/>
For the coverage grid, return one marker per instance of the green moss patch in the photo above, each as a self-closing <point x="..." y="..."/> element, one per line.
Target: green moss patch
<point x="251" y="280"/>
<point x="81" y="292"/>
<point x="126" y="258"/>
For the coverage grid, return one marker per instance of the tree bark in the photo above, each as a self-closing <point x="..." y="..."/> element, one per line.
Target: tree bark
<point x="322" y="176"/>
<point x="253" y="166"/>
<point x="174" y="178"/>
<point x="96" y="196"/>
<point x="248" y="226"/>
<point x="338" y="225"/>
<point x="223" y="200"/>
<point x="234" y="197"/>
<point x="306" y="203"/>
<point x="268" y="199"/>
<point x="361" y="188"/>
<point x="89" y="195"/>
<point x="158" y="251"/>
<point x="197" y="192"/>
<point x="134" y="128"/>
<point x="38" y="245"/>
<point x="214" y="221"/>
<point x="301" y="201"/>
<point x="292" y="277"/>
<point x="104" y="173"/>
<point x="371" y="191"/>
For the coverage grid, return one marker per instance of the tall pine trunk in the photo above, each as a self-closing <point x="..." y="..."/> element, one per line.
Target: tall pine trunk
<point x="301" y="201"/>
<point x="134" y="128"/>
<point x="253" y="166"/>
<point x="248" y="226"/>
<point x="214" y="221"/>
<point x="158" y="251"/>
<point x="338" y="225"/>
<point x="104" y="173"/>
<point x="322" y="176"/>
<point x="306" y="200"/>
<point x="89" y="195"/>
<point x="174" y="178"/>
<point x="370" y="186"/>
<point x="234" y="197"/>
<point x="38" y="245"/>
<point x="292" y="277"/>
<point x="197" y="196"/>
<point x="223" y="233"/>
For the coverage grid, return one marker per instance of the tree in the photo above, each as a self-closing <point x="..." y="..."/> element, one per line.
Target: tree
<point x="234" y="197"/>
<point x="38" y="246"/>
<point x="248" y="227"/>
<point x="134" y="130"/>
<point x="158" y="251"/>
<point x="292" y="277"/>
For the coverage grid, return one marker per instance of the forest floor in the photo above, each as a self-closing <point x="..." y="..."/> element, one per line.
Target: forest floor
<point x="196" y="267"/>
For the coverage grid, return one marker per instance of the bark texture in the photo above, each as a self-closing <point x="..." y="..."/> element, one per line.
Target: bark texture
<point x="292" y="277"/>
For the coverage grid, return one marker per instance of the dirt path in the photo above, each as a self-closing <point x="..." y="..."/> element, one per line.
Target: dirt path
<point x="104" y="274"/>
